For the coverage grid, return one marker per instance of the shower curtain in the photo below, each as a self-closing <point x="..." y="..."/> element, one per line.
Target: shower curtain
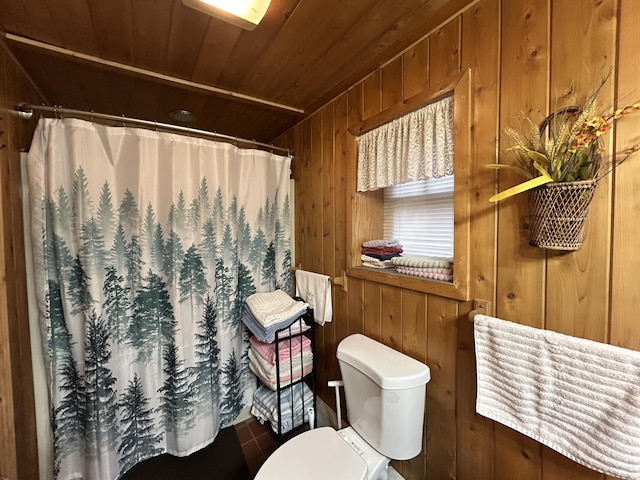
<point x="145" y="246"/>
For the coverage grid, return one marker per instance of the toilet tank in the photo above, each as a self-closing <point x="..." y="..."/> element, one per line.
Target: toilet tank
<point x="385" y="393"/>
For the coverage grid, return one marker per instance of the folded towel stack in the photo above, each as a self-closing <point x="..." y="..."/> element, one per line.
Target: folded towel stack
<point x="377" y="253"/>
<point x="295" y="401"/>
<point x="264" y="313"/>
<point x="295" y="360"/>
<point x="425" y="267"/>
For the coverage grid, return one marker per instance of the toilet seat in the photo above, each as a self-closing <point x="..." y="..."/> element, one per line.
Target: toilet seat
<point x="318" y="454"/>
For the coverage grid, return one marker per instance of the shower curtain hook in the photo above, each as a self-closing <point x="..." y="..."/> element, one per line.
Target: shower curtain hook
<point x="124" y="124"/>
<point x="92" y="119"/>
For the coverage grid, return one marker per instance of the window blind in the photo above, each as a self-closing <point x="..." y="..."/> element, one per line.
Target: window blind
<point x="420" y="215"/>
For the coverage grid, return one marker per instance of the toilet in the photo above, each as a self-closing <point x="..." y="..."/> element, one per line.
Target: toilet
<point x="385" y="395"/>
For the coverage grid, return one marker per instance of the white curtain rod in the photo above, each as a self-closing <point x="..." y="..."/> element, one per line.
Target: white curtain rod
<point x="26" y="112"/>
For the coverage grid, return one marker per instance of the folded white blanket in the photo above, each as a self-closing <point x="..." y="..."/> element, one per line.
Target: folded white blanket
<point x="578" y="397"/>
<point x="271" y="307"/>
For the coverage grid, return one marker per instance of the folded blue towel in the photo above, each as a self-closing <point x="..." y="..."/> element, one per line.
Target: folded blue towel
<point x="267" y="334"/>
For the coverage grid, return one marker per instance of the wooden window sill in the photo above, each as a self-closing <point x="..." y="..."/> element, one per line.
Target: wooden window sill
<point x="390" y="277"/>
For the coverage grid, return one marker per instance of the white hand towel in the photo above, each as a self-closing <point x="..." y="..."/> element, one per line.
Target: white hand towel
<point x="315" y="289"/>
<point x="576" y="396"/>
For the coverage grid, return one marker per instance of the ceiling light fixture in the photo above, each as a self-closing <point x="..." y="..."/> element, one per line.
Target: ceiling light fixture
<point x="243" y="13"/>
<point x="184" y="116"/>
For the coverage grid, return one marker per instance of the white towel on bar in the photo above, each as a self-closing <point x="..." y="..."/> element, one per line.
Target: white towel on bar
<point x="578" y="397"/>
<point x="315" y="289"/>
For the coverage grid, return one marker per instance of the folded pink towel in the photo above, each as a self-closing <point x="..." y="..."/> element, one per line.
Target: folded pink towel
<point x="286" y="348"/>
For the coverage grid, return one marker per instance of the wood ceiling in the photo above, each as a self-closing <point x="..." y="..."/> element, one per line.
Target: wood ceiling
<point x="302" y="54"/>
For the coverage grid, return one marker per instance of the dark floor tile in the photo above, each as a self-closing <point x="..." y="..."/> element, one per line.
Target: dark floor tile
<point x="267" y="443"/>
<point x="244" y="432"/>
<point x="258" y="429"/>
<point x="253" y="456"/>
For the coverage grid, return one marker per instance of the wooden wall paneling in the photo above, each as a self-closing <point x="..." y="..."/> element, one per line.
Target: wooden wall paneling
<point x="442" y="318"/>
<point x="474" y="433"/>
<point x="625" y="295"/>
<point x="354" y="116"/>
<point x="305" y="208"/>
<point x="480" y="53"/>
<point x="8" y="447"/>
<point x="59" y="80"/>
<point x="314" y="241"/>
<point x="372" y="310"/>
<point x="578" y="283"/>
<point x="356" y="306"/>
<point x="525" y="53"/>
<point x="415" y="70"/>
<point x="371" y="95"/>
<point x="392" y="83"/>
<point x="391" y="315"/>
<point x="328" y="230"/>
<point x="444" y="52"/>
<point x="18" y="448"/>
<point x="123" y="88"/>
<point x="93" y="89"/>
<point x="17" y="137"/>
<point x="340" y="298"/>
<point x="360" y="205"/>
<point x="521" y="269"/>
<point x="414" y="344"/>
<point x="297" y="172"/>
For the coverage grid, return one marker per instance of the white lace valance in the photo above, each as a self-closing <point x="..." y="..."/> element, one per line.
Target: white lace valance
<point x="416" y="146"/>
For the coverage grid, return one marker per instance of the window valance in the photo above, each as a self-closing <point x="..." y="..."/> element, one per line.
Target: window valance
<point x="416" y="146"/>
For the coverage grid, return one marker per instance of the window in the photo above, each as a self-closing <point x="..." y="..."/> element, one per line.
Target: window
<point x="365" y="207"/>
<point x="420" y="215"/>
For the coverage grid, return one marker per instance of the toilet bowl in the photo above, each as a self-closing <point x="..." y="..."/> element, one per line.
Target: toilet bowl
<point x="385" y="394"/>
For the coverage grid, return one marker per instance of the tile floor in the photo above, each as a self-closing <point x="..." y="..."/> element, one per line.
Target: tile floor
<point x="257" y="441"/>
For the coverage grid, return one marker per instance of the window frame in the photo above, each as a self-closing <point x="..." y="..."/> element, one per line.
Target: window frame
<point x="364" y="205"/>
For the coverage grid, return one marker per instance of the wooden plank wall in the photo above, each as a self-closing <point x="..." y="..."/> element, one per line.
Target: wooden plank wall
<point x="527" y="57"/>
<point x="18" y="454"/>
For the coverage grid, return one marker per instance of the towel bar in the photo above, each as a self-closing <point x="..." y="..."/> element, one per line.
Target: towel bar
<point x="341" y="280"/>
<point x="480" y="307"/>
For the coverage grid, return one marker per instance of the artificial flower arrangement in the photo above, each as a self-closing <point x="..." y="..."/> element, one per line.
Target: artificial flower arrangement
<point x="566" y="147"/>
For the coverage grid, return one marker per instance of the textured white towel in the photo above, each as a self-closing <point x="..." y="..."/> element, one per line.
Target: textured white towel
<point x="315" y="289"/>
<point x="269" y="308"/>
<point x="578" y="397"/>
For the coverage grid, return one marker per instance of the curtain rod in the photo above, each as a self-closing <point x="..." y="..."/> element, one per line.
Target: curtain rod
<point x="26" y="112"/>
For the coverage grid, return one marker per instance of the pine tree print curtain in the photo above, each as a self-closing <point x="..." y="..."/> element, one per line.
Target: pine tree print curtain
<point x="146" y="245"/>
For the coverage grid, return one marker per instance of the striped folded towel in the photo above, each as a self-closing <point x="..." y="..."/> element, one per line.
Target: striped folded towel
<point x="434" y="273"/>
<point x="576" y="396"/>
<point x="421" y="261"/>
<point x="294" y="403"/>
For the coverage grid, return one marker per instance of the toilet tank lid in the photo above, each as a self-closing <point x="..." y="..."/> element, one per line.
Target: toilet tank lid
<point x="390" y="369"/>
